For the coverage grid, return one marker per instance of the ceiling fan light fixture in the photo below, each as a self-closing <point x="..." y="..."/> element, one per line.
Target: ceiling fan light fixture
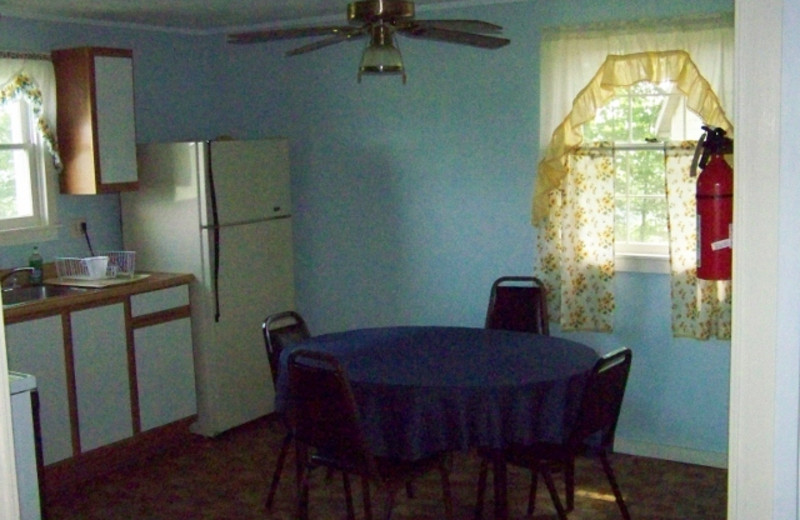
<point x="381" y="55"/>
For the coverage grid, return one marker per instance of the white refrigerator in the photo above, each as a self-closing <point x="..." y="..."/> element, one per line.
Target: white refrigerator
<point x="220" y="210"/>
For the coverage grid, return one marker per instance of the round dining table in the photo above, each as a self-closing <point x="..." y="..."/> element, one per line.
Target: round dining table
<point x="426" y="389"/>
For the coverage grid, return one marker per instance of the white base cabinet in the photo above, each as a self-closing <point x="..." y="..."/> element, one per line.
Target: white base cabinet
<point x="164" y="357"/>
<point x="108" y="372"/>
<point x="101" y="375"/>
<point x="37" y="347"/>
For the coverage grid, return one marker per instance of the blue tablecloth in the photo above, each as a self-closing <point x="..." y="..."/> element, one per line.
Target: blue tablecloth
<point x="426" y="389"/>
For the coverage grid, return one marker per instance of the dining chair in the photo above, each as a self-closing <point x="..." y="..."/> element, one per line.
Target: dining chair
<point x="324" y="417"/>
<point x="591" y="435"/>
<point x="281" y="330"/>
<point x="518" y="303"/>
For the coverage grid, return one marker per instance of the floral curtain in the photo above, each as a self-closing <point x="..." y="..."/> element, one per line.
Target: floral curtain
<point x="584" y="283"/>
<point x="32" y="78"/>
<point x="701" y="309"/>
<point x="576" y="246"/>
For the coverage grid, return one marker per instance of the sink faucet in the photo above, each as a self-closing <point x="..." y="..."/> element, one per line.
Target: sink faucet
<point x="13" y="273"/>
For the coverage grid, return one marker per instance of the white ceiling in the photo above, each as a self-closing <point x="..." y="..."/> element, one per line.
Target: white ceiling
<point x="202" y="16"/>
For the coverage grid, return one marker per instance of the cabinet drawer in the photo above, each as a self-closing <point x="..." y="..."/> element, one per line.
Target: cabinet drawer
<point x="165" y="299"/>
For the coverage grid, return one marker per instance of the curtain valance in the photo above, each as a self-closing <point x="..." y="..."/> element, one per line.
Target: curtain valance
<point x="32" y="78"/>
<point x="619" y="71"/>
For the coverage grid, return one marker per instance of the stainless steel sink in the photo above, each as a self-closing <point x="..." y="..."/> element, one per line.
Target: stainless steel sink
<point x="35" y="293"/>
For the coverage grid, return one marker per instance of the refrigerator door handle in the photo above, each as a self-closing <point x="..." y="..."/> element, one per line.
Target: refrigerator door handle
<point x="215" y="230"/>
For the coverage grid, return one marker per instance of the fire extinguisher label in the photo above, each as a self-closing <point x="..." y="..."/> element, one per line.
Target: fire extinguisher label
<point x="720" y="244"/>
<point x="698" y="250"/>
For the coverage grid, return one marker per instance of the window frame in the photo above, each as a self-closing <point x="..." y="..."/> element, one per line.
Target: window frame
<point x="42" y="225"/>
<point x="638" y="256"/>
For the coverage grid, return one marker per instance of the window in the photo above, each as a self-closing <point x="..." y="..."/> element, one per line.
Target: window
<point x="20" y="200"/>
<point x="27" y="156"/>
<point x="638" y="121"/>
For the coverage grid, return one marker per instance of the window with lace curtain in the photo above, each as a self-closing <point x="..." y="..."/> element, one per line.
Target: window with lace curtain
<point x="595" y="193"/>
<point x="28" y="157"/>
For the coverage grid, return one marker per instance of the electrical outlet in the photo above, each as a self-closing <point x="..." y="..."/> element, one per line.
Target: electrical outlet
<point x="76" y="228"/>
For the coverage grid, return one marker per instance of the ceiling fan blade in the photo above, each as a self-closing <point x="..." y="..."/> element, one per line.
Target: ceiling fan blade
<point x="285" y="34"/>
<point x="338" y="38"/>
<point x="475" y="26"/>
<point x="459" y="37"/>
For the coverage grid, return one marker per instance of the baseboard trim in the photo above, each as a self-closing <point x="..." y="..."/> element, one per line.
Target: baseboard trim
<point x="674" y="453"/>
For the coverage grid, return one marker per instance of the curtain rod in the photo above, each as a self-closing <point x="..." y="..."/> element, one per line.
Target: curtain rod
<point x="631" y="147"/>
<point x="14" y="55"/>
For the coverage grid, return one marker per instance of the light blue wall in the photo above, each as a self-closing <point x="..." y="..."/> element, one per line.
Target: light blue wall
<point x="408" y="199"/>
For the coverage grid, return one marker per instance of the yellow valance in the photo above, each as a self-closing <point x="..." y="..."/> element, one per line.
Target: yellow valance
<point x="622" y="71"/>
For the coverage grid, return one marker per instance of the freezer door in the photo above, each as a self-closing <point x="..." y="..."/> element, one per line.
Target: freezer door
<point x="250" y="179"/>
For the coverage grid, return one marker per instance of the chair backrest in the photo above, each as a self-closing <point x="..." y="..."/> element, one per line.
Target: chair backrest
<point x="602" y="400"/>
<point x="282" y="330"/>
<point x="323" y="414"/>
<point x="518" y="303"/>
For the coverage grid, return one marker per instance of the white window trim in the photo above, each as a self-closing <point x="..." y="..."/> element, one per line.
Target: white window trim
<point x="49" y="177"/>
<point x="40" y="69"/>
<point x="640" y="263"/>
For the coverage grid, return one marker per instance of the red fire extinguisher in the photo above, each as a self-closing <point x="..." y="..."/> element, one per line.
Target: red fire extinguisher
<point x="714" y="207"/>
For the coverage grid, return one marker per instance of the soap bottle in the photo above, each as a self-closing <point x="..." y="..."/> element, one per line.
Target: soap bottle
<point x="35" y="261"/>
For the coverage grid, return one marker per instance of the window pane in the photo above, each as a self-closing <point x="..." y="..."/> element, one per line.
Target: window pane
<point x="5" y="125"/>
<point x="13" y="123"/>
<point x="641" y="213"/>
<point x="16" y="197"/>
<point x="610" y="122"/>
<point x="645" y="115"/>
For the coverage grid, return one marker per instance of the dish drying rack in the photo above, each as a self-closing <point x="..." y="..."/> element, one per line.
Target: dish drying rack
<point x="121" y="264"/>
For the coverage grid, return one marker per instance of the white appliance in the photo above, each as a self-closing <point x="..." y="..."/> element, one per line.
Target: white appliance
<point x="22" y="423"/>
<point x="221" y="211"/>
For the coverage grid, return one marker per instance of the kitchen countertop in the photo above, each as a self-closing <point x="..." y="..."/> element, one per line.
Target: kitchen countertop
<point x="93" y="297"/>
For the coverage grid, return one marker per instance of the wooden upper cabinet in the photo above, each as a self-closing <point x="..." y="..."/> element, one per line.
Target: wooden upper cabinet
<point x="96" y="130"/>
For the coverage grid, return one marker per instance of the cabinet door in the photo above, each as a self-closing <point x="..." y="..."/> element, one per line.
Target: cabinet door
<point x="96" y="127"/>
<point x="101" y="375"/>
<point x="115" y="119"/>
<point x="164" y="357"/>
<point x="37" y="347"/>
<point x="165" y="373"/>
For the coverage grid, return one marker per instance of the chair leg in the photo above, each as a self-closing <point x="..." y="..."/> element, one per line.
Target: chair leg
<point x="569" y="482"/>
<point x="388" y="502"/>
<point x="484" y="470"/>
<point x="276" y="476"/>
<point x="614" y="486"/>
<point x="348" y="496"/>
<point x="447" y="496"/>
<point x="551" y="488"/>
<point x="302" y="481"/>
<point x="367" y="500"/>
<point x="532" y="492"/>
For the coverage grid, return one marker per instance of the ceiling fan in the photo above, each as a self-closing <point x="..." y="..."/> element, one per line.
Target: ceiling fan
<point x="381" y="21"/>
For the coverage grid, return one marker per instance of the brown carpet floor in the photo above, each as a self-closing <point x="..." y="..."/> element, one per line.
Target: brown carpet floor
<point x="227" y="478"/>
